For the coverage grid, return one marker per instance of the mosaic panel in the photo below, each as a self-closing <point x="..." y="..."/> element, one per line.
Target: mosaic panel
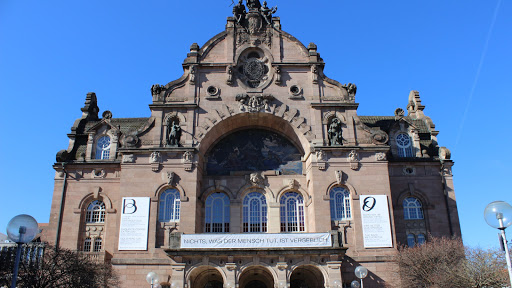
<point x="254" y="150"/>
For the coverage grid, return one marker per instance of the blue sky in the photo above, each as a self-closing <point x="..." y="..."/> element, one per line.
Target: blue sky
<point x="456" y="53"/>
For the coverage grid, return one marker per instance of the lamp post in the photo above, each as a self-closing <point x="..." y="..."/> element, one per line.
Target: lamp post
<point x="361" y="272"/>
<point x="21" y="229"/>
<point x="498" y="214"/>
<point x="152" y="279"/>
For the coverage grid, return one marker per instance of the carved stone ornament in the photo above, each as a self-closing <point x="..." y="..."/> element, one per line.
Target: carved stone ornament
<point x="192" y="72"/>
<point x="107" y="115"/>
<point x="187" y="157"/>
<point x="321" y="155"/>
<point x="128" y="158"/>
<point x="292" y="183"/>
<point x="254" y="103"/>
<point x="353" y="158"/>
<point x="229" y="74"/>
<point x="155" y="157"/>
<point x="170" y="177"/>
<point x="380" y="156"/>
<point x="379" y="137"/>
<point x="257" y="179"/>
<point x="339" y="176"/>
<point x="399" y="113"/>
<point x="131" y="141"/>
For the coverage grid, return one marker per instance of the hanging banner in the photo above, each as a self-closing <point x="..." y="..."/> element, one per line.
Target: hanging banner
<point x="256" y="240"/>
<point x="133" y="231"/>
<point x="375" y="221"/>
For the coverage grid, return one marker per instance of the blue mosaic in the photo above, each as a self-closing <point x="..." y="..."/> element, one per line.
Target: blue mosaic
<point x="254" y="150"/>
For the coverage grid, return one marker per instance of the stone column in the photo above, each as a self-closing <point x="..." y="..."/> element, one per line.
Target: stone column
<point x="178" y="275"/>
<point x="333" y="273"/>
<point x="274" y="221"/>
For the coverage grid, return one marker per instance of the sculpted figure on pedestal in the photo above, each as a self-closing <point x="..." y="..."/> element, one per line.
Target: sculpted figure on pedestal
<point x="335" y="133"/>
<point x="174" y="134"/>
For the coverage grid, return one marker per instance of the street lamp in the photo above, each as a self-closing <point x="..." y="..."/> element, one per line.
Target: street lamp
<point x="361" y="272"/>
<point x="355" y="284"/>
<point x="21" y="229"/>
<point x="152" y="279"/>
<point x="498" y="214"/>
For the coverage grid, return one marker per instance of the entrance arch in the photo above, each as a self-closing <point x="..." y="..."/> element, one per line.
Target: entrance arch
<point x="206" y="277"/>
<point x="256" y="277"/>
<point x="307" y="276"/>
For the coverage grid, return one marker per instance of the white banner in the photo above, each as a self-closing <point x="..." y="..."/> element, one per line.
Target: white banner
<point x="375" y="221"/>
<point x="133" y="232"/>
<point x="256" y="240"/>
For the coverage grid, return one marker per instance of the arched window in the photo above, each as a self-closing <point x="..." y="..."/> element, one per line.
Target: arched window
<point x="292" y="212"/>
<point x="103" y="148"/>
<point x="87" y="244"/>
<point x="421" y="239"/>
<point x="411" y="240"/>
<point x="340" y="204"/>
<point x="169" y="207"/>
<point x="412" y="209"/>
<point x="217" y="213"/>
<point x="95" y="212"/>
<point x="255" y="213"/>
<point x="404" y="145"/>
<point x="97" y="245"/>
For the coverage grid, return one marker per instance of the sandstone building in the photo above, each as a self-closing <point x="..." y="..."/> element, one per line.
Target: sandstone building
<point x="253" y="170"/>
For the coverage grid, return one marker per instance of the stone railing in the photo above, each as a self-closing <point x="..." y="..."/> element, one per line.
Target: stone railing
<point x="96" y="257"/>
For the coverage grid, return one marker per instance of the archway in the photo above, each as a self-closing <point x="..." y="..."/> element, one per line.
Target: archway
<point x="256" y="277"/>
<point x="206" y="277"/>
<point x="306" y="276"/>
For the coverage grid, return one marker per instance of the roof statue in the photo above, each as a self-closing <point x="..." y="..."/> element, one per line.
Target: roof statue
<point x="252" y="20"/>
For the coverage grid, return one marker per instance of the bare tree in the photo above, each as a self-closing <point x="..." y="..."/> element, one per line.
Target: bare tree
<point x="444" y="262"/>
<point x="486" y="268"/>
<point x="60" y="268"/>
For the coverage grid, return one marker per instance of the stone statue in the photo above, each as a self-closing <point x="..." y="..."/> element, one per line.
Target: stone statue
<point x="239" y="12"/>
<point x="253" y="4"/>
<point x="192" y="74"/>
<point x="174" y="134"/>
<point x="267" y="12"/>
<point x="335" y="133"/>
<point x="229" y="72"/>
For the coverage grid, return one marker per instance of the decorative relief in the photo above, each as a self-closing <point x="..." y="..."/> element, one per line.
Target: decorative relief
<point x="155" y="157"/>
<point x="229" y="73"/>
<point x="380" y="156"/>
<point x="187" y="160"/>
<point x="257" y="179"/>
<point x="128" y="158"/>
<point x="254" y="103"/>
<point x="339" y="176"/>
<point x="192" y="72"/>
<point x="292" y="183"/>
<point x="255" y="24"/>
<point x="353" y="158"/>
<point x="277" y="72"/>
<point x="169" y="177"/>
<point x="321" y="155"/>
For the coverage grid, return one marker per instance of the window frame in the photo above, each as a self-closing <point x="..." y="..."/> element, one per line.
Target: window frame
<point x="211" y="210"/>
<point x="169" y="206"/>
<point x="249" y="216"/>
<point x="413" y="209"/>
<point x="102" y="152"/>
<point x="340" y="209"/>
<point x="292" y="212"/>
<point x="95" y="212"/>
<point x="404" y="151"/>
